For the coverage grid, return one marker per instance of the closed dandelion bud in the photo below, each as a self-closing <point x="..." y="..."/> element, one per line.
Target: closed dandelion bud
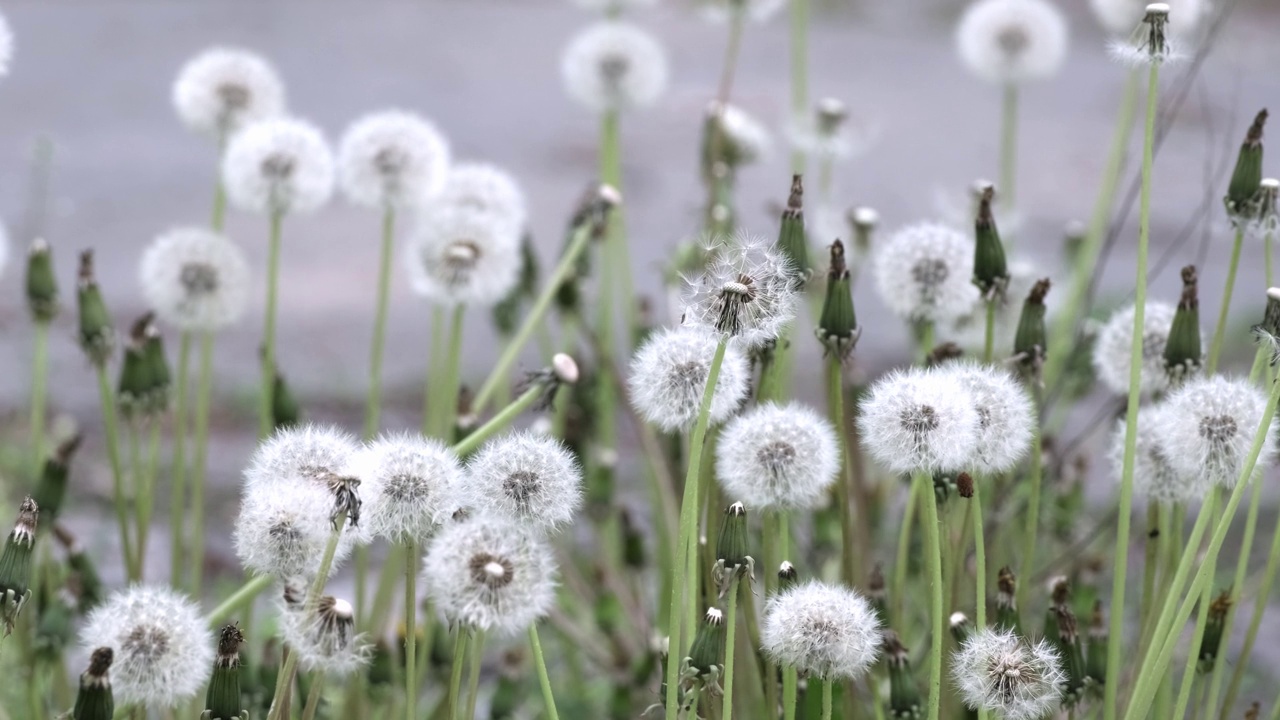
<point x="1029" y="343"/>
<point x="964" y="485"/>
<point x="84" y="574"/>
<point x="1111" y="351"/>
<point x="1254" y="712"/>
<point x="838" y="329"/>
<point x="286" y="412"/>
<point x="998" y="671"/>
<point x="15" y="564"/>
<point x="196" y="280"/>
<point x="1267" y="332"/>
<point x="904" y="694"/>
<point x="1007" y="602"/>
<point x="778" y="457"/>
<point x="1182" y="355"/>
<point x="223" y="699"/>
<point x="94" y="701"/>
<point x="732" y="558"/>
<point x="748" y="292"/>
<point x="922" y="273"/>
<point x="1149" y="44"/>
<point x="1214" y="630"/>
<point x="221" y="90"/>
<point x="1096" y="658"/>
<point x="787" y="576"/>
<point x="324" y="638"/>
<point x="822" y="630"/>
<point x="42" y="284"/>
<point x="1066" y="640"/>
<point x="1012" y="41"/>
<point x="278" y="166"/>
<point x="990" y="270"/>
<point x="55" y="628"/>
<point x="792" y="242"/>
<point x="52" y="488"/>
<point x="731" y="138"/>
<point x="157" y="366"/>
<point x="669" y="375"/>
<point x="1246" y="180"/>
<point x="876" y="593"/>
<point x="961" y="627"/>
<point x="706" y="654"/>
<point x="919" y="420"/>
<point x="526" y="478"/>
<point x="134" y="386"/>
<point x="1207" y="428"/>
<point x="96" y="336"/>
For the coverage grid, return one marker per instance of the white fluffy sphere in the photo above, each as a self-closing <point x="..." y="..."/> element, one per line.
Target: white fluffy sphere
<point x="488" y="190"/>
<point x="923" y="273"/>
<point x="1113" y="348"/>
<point x="920" y="420"/>
<point x="280" y="165"/>
<point x="778" y="457"/>
<point x="282" y="531"/>
<point x="748" y="291"/>
<point x="410" y="485"/>
<point x="529" y="479"/>
<point x="669" y="376"/>
<point x="223" y="89"/>
<point x="1006" y="415"/>
<point x="1207" y="428"/>
<point x="826" y="631"/>
<point x="462" y="257"/>
<point x="1012" y="41"/>
<point x="195" y="279"/>
<point x="392" y="159"/>
<point x="1153" y="476"/>
<point x="614" y="65"/>
<point x="1008" y="676"/>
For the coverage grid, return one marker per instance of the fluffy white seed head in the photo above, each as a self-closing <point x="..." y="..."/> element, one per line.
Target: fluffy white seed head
<point x="747" y="135"/>
<point x="778" y="457"/>
<point x="1012" y="41"/>
<point x="221" y="90"/>
<point x="614" y="65"/>
<point x="491" y="574"/>
<point x="1153" y="476"/>
<point x="283" y="529"/>
<point x="461" y="257"/>
<point x="279" y="165"/>
<point x="1006" y="415"/>
<point x="530" y="479"/>
<point x="195" y="279"/>
<point x="923" y="273"/>
<point x="719" y="11"/>
<point x="162" y="647"/>
<point x="823" y="630"/>
<point x="301" y="455"/>
<point x="1112" y="350"/>
<point x="6" y="46"/>
<point x="748" y="291"/>
<point x="669" y="375"/>
<point x="392" y="159"/>
<point x="325" y="639"/>
<point x="1207" y="428"/>
<point x="1008" y="676"/>
<point x="920" y="420"/>
<point x="410" y="485"/>
<point x="1120" y="17"/>
<point x="486" y="189"/>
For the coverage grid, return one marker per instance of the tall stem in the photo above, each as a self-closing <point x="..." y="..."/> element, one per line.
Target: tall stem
<point x="177" y="496"/>
<point x="237" y="600"/>
<point x="980" y="558"/>
<point x="39" y="397"/>
<point x="498" y="422"/>
<point x="410" y="630"/>
<point x="111" y="427"/>
<point x="147" y="480"/>
<point x="1255" y="622"/>
<point x="448" y="399"/>
<point x="799" y="73"/>
<point x="826" y="699"/>
<point x="790" y="689"/>
<point x="731" y="628"/>
<point x="455" y="675"/>
<point x="1220" y="332"/>
<point x="544" y="680"/>
<point x="1008" y="143"/>
<point x="904" y="550"/>
<point x="1237" y="592"/>
<point x="204" y="391"/>
<point x="1121" y="560"/>
<point x="373" y="404"/>
<point x="266" y="399"/>
<point x="473" y="683"/>
<point x="845" y="486"/>
<point x="1268" y="241"/>
<point x="1197" y="637"/>
<point x="1033" y="515"/>
<point x="933" y="549"/>
<point x="313" y="696"/>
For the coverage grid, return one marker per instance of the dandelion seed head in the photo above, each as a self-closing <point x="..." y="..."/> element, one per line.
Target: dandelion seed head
<point x="778" y="457"/>
<point x="1207" y="428"/>
<point x="1111" y="351"/>
<point x="1151" y="42"/>
<point x="222" y="90"/>
<point x="1153" y="476"/>
<point x="488" y="190"/>
<point x="528" y="478"/>
<point x="826" y="631"/>
<point x="1006" y="415"/>
<point x="1012" y="41"/>
<point x="832" y="133"/>
<point x="278" y="165"/>
<point x="923" y="273"/>
<point x="490" y="574"/>
<point x="462" y="257"/>
<point x="308" y="455"/>
<point x="410" y="485"/>
<point x="970" y="330"/>
<point x="325" y="639"/>
<point x="392" y="159"/>
<point x="749" y="138"/>
<point x="163" y="650"/>
<point x="748" y="292"/>
<point x="283" y="529"/>
<point x="1007" y="675"/>
<point x="920" y="420"/>
<point x="614" y="65"/>
<point x="1120" y="17"/>
<point x="195" y="279"/>
<point x="669" y="375"/>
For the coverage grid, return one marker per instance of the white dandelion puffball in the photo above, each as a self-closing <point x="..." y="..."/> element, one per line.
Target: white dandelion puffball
<point x="669" y="376"/>
<point x="490" y="574"/>
<point x="1208" y="425"/>
<point x="1006" y="415"/>
<point x="1121" y="17"/>
<point x="325" y="639"/>
<point x="162" y="646"/>
<point x="823" y="630"/>
<point x="222" y="90"/>
<point x="308" y="454"/>
<point x="195" y="279"/>
<point x="392" y="159"/>
<point x="280" y="165"/>
<point x="1006" y="675"/>
<point x="1012" y="41"/>
<point x="1112" y="350"/>
<point x="759" y="11"/>
<point x="614" y="65"/>
<point x="920" y="420"/>
<point x="749" y="138"/>
<point x="748" y="292"/>
<point x="488" y="190"/>
<point x="778" y="456"/>
<point x="1153" y="476"/>
<point x="462" y="257"/>
<point x="410" y="484"/>
<point x="6" y="45"/>
<point x="283" y="529"/>
<point x="528" y="478"/>
<point x="923" y="273"/>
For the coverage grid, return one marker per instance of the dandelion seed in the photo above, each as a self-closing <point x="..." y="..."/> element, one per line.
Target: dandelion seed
<point x="923" y="273"/>
<point x="920" y="421"/>
<point x="527" y="478"/>
<point x="669" y="375"/>
<point x="325" y="638"/>
<point x="162" y="648"/>
<point x="779" y="457"/>
<point x="1207" y="428"/>
<point x="1111" y="351"/>
<point x="279" y="165"/>
<point x="748" y="292"/>
<point x="392" y="159"/>
<point x="825" y="631"/>
<point x="1011" y="677"/>
<point x="195" y="279"/>
<point x="614" y="65"/>
<point x="1151" y="43"/>
<point x="410" y="485"/>
<point x="460" y="257"/>
<point x="222" y="90"/>
<point x="1006" y="415"/>
<point x="1012" y="41"/>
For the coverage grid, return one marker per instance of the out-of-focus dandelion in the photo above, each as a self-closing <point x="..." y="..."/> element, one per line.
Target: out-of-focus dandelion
<point x="614" y="65"/>
<point x="923" y="273"/>
<point x="221" y="90"/>
<point x="669" y="374"/>
<point x="461" y="257"/>
<point x="392" y="159"/>
<point x="278" y="166"/>
<point x="1207" y="426"/>
<point x="1012" y="41"/>
<point x="1111" y="352"/>
<point x="195" y="279"/>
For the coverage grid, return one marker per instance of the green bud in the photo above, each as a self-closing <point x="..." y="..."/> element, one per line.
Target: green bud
<point x="731" y="546"/>
<point x="15" y="564"/>
<point x="161" y="379"/>
<point x="838" y="329"/>
<point x="133" y="391"/>
<point x="1029" y="345"/>
<point x="1182" y="355"/>
<point x="707" y="651"/>
<point x="285" y="410"/>
<point x="1095" y="665"/>
<point x="1066" y="640"/>
<point x="42" y="283"/>
<point x="56" y="627"/>
<point x="84" y="575"/>
<point x="787" y="576"/>
<point x="1214" y="629"/>
<point x="990" y="270"/>
<point x="1060" y="590"/>
<point x="1247" y="177"/>
<point x="904" y="694"/>
<point x="792" y="242"/>
<point x="876" y="593"/>
<point x="94" y="701"/>
<point x="52" y="488"/>
<point x="1007" y="601"/>
<point x="224" y="700"/>
<point x="97" y="336"/>
<point x="1267" y="332"/>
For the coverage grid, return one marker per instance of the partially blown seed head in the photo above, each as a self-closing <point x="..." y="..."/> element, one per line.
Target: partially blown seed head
<point x="196" y="279"/>
<point x="1012" y="41"/>
<point x="527" y="478"/>
<point x="222" y="90"/>
<point x="669" y="375"/>
<point x="782" y="457"/>
<point x="920" y="420"/>
<point x="823" y="630"/>
<point x="1120" y="17"/>
<point x="392" y="159"/>
<point x="325" y="639"/>
<point x="748" y="292"/>
<point x="280" y="165"/>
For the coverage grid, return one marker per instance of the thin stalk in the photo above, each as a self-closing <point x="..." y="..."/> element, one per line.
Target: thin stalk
<point x="688" y="520"/>
<point x="844" y="488"/>
<point x="476" y="650"/>
<point x="39" y="396"/>
<point x="435" y="366"/>
<point x="934" y="551"/>
<point x="455" y="675"/>
<point x="826" y="699"/>
<point x="926" y="340"/>
<point x="1220" y="332"/>
<point x="219" y="212"/>
<point x="1237" y="590"/>
<point x="313" y="696"/>
<point x="731" y="628"/>
<point x="238" y="599"/>
<point x="204" y="392"/>
<point x="498" y="422"/>
<point x="1155" y="533"/>
<point x="148" y="481"/>
<point x="1121" y="561"/>
<point x="178" y="494"/>
<point x="410" y="629"/>
<point x="1008" y="143"/>
<point x="448" y="402"/>
<point x="904" y="549"/>
<point x="1267" y="241"/>
<point x="789" y="691"/>
<point x="267" y="393"/>
<point x="989" y="336"/>
<point x="373" y="404"/>
<point x="380" y="610"/>
<point x="1189" y="679"/>
<point x="980" y="559"/>
<point x="1036" y="480"/>
<point x="1255" y="622"/>
<point x="799" y="72"/>
<point x="544" y="680"/>
<point x="111" y="427"/>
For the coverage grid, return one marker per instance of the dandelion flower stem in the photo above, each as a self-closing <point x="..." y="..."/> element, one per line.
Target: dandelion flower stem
<point x="933" y="547"/>
<point x="980" y="559"/>
<point x="498" y="422"/>
<point x="380" y="609"/>
<point x="313" y="696"/>
<point x="373" y="405"/>
<point x="1220" y="332"/>
<point x="1268" y="241"/>
<point x="1189" y="674"/>
<point x="146" y="495"/>
<point x="1008" y="144"/>
<point x="410" y="629"/>
<point x="455" y="674"/>
<point x="476" y="651"/>
<point x="219" y="212"/>
<point x="989" y="337"/>
<point x="1121" y="560"/>
<point x="1255" y="622"/>
<point x="39" y="396"/>
<point x="826" y="699"/>
<point x="447" y="399"/>
<point x="904" y="549"/>
<point x="1036" y="480"/>
<point x="435" y="366"/>
<point x="178" y="494"/>
<point x="237" y="600"/>
<point x="790" y="681"/>
<point x="112" y="429"/>
<point x="266" y="398"/>
<point x="1237" y="585"/>
<point x="799" y="72"/>
<point x="204" y="391"/>
<point x="544" y="680"/>
<point x="731" y="633"/>
<point x="845" y="486"/>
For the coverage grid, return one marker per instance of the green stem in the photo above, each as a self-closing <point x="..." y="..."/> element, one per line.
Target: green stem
<point x="410" y="629"/>
<point x="789" y="691"/>
<point x="380" y="610"/>
<point x="435" y="367"/>
<point x="731" y="630"/>
<point x="1197" y="637"/>
<point x="39" y="397"/>
<point x="1255" y="622"/>
<point x="688" y="520"/>
<point x="177" y="499"/>
<point x="1155" y="532"/>
<point x="147" y="478"/>
<point x="448" y="400"/>
<point x="1036" y="480"/>
<point x="845" y="486"/>
<point x="989" y="336"/>
<point x="313" y="696"/>
<point x="826" y="699"/>
<point x="1267" y="241"/>
<point x="238" y="599"/>
<point x="934" y="550"/>
<point x="498" y="422"/>
<point x="455" y="675"/>
<point x="1121" y="560"/>
<point x="111" y="427"/>
<point x="1220" y="332"/>
<point x="476" y="651"/>
<point x="373" y="404"/>
<point x="219" y="191"/>
<point x="980" y="559"/>
<point x="904" y="549"/>
<point x="926" y="340"/>
<point x="799" y="72"/>
<point x="1237" y="591"/>
<point x="267" y="394"/>
<point x="199" y="470"/>
<point x="544" y="680"/>
<point x="1008" y="143"/>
